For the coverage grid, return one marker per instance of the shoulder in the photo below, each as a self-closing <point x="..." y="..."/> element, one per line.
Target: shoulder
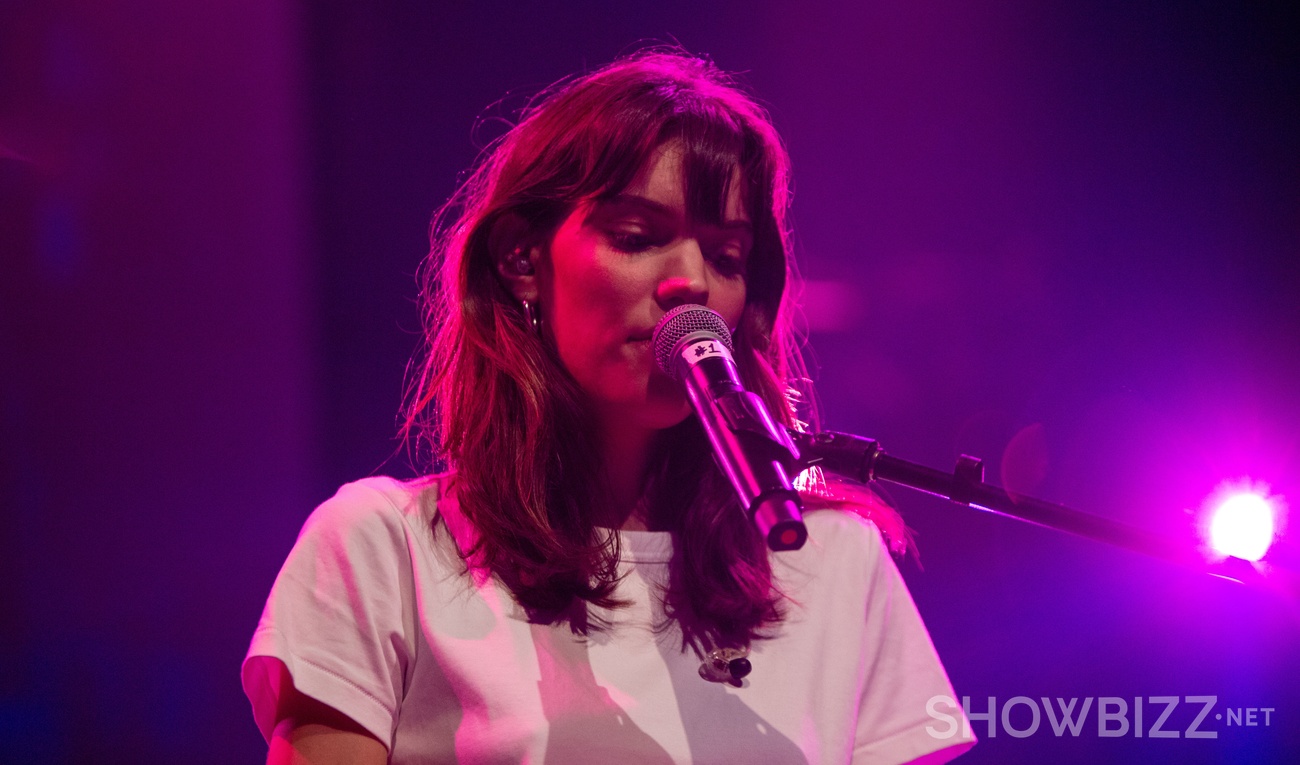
<point x="848" y="508"/>
<point x="375" y="502"/>
<point x="371" y="514"/>
<point x="840" y="543"/>
<point x="852" y="538"/>
<point x="841" y="526"/>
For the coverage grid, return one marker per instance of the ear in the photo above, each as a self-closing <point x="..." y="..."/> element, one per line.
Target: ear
<point x="514" y="255"/>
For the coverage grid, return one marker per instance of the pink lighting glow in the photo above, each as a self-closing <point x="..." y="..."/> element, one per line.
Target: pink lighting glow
<point x="1242" y="524"/>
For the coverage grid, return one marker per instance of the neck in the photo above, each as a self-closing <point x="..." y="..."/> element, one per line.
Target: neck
<point x="625" y="451"/>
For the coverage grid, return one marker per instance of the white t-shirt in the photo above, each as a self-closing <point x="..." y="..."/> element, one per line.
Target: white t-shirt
<point x="374" y="615"/>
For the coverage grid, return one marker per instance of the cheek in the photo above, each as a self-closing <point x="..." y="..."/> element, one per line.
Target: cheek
<point x="585" y="304"/>
<point x="587" y="315"/>
<point x="729" y="301"/>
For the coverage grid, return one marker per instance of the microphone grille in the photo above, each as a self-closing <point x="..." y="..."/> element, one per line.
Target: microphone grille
<point x="682" y="321"/>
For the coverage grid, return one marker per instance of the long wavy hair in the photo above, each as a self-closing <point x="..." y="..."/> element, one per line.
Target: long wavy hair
<point x="495" y="404"/>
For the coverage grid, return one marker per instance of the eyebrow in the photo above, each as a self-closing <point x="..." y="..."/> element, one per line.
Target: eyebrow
<point x="658" y="208"/>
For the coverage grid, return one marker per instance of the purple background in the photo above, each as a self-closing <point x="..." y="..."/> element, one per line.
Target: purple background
<point x="1071" y="228"/>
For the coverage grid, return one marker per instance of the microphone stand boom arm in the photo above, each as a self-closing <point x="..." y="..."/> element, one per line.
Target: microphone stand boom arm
<point x="863" y="460"/>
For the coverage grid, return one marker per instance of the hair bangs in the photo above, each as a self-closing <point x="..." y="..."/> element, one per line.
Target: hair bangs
<point x="712" y="144"/>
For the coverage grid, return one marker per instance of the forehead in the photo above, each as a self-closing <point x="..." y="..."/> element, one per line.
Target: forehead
<point x="707" y="192"/>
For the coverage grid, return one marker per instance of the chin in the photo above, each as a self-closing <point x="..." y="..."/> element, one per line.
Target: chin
<point x="666" y="404"/>
<point x="658" y="410"/>
<point x="653" y="402"/>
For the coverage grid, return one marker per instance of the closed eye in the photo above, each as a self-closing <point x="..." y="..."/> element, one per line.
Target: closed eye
<point x="729" y="255"/>
<point x="630" y="241"/>
<point x="729" y="264"/>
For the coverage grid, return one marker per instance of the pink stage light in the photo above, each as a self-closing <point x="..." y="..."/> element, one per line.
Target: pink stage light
<point x="1242" y="525"/>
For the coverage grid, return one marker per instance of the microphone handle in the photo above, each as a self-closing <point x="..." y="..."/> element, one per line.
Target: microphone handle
<point x="751" y="450"/>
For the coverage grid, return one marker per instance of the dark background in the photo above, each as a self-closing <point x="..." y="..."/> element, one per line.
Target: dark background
<point x="1060" y="236"/>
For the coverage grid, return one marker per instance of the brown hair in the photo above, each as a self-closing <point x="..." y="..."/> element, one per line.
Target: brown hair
<point x="497" y="406"/>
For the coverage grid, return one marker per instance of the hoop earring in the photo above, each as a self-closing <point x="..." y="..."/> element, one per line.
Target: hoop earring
<point x="533" y="312"/>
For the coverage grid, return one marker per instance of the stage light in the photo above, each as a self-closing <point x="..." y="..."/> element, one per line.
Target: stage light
<point x="1242" y="525"/>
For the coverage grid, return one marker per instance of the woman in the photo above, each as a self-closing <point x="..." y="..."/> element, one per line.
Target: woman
<point x="581" y="585"/>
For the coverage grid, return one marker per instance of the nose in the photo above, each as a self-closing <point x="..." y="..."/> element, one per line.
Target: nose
<point x="685" y="278"/>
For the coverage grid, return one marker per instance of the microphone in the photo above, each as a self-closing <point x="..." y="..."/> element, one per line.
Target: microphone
<point x="692" y="345"/>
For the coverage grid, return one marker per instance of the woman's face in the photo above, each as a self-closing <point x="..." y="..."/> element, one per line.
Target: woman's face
<point x="615" y="267"/>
